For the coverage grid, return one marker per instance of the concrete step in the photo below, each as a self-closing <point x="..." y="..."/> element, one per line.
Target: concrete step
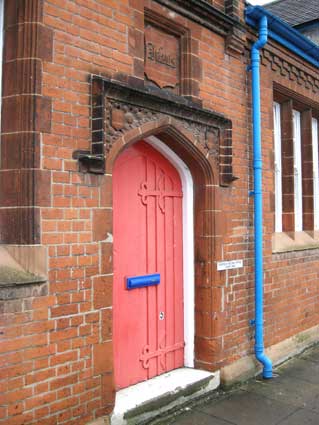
<point x="144" y="402"/>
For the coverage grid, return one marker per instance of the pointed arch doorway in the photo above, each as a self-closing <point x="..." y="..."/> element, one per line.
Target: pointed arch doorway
<point x="153" y="325"/>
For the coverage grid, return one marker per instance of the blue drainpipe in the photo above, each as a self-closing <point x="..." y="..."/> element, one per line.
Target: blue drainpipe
<point x="258" y="219"/>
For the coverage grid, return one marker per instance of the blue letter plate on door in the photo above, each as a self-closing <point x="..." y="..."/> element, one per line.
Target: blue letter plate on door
<point x="142" y="281"/>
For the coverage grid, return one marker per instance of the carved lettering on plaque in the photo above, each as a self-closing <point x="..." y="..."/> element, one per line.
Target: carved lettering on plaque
<point x="162" y="58"/>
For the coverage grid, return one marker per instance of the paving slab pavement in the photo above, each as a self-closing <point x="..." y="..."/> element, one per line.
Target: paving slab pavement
<point x="290" y="398"/>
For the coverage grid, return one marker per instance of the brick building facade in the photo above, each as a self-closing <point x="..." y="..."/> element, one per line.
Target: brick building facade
<point x="83" y="80"/>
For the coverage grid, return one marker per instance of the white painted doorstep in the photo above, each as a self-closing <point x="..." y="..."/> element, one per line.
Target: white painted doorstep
<point x="152" y="389"/>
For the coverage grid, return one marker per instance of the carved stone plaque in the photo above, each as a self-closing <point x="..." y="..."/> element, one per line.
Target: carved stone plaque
<point x="162" y="57"/>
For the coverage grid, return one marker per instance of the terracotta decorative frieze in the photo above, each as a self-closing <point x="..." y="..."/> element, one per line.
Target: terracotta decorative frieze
<point x="132" y="117"/>
<point x="118" y="109"/>
<point x="287" y="69"/>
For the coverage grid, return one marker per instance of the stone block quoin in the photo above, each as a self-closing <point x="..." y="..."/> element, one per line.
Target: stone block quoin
<point x="25" y="115"/>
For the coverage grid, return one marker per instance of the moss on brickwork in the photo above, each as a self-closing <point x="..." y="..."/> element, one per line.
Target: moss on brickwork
<point x="10" y="275"/>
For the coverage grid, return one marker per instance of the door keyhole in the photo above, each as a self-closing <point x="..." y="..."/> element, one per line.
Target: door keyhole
<point x="161" y="315"/>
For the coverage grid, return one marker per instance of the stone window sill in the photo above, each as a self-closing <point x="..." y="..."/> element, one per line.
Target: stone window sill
<point x="10" y="276"/>
<point x="294" y="241"/>
<point x="22" y="265"/>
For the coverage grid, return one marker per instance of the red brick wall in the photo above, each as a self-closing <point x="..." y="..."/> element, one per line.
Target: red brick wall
<point x="56" y="356"/>
<point x="291" y="285"/>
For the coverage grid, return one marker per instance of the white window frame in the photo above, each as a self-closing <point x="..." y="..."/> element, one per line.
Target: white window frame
<point x="278" y="167"/>
<point x="315" y="165"/>
<point x="297" y="170"/>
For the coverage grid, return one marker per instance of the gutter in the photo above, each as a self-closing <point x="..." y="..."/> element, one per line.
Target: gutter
<point x="308" y="25"/>
<point x="284" y="34"/>
<point x="258" y="203"/>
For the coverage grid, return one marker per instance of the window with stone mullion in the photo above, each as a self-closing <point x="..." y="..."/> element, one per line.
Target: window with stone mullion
<point x="296" y="168"/>
<point x="278" y="168"/>
<point x="287" y="166"/>
<point x="297" y="171"/>
<point x="307" y="170"/>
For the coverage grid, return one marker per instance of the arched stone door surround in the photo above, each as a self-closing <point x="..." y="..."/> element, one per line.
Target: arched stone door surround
<point x="202" y="139"/>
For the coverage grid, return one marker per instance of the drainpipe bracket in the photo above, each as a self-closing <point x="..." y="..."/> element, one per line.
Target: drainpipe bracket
<point x="251" y="193"/>
<point x="248" y="68"/>
<point x="252" y="322"/>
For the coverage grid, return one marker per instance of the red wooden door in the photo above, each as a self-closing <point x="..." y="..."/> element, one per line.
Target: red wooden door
<point x="148" y="322"/>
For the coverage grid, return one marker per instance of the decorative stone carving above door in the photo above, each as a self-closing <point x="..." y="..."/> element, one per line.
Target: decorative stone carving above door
<point x="118" y="111"/>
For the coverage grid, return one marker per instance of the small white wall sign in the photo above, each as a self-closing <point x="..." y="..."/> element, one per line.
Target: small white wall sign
<point x="228" y="265"/>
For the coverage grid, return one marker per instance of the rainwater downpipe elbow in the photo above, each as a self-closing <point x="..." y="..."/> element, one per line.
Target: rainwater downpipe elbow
<point x="258" y="203"/>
